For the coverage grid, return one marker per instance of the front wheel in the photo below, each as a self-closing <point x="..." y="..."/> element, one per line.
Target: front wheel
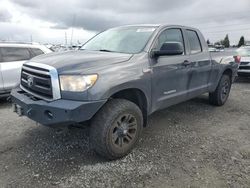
<point x="116" y="128"/>
<point x="221" y="94"/>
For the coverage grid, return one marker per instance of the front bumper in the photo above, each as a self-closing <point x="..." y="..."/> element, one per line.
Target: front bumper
<point x="59" y="112"/>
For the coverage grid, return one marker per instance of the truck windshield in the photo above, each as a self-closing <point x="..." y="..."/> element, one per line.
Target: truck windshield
<point x="129" y="40"/>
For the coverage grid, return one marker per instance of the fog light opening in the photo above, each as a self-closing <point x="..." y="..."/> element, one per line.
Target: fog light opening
<point x="48" y="114"/>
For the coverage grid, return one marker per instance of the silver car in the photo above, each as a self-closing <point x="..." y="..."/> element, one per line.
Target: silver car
<point x="12" y="57"/>
<point x="244" y="69"/>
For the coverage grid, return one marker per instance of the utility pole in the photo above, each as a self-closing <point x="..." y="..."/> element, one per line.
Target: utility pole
<point x="66" y="42"/>
<point x="72" y="31"/>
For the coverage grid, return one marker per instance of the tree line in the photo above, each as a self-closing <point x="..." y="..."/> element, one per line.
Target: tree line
<point x="226" y="42"/>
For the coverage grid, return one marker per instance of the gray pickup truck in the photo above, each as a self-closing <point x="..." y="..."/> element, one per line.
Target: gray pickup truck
<point x="118" y="78"/>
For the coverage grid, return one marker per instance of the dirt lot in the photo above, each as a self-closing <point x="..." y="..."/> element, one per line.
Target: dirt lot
<point x="191" y="144"/>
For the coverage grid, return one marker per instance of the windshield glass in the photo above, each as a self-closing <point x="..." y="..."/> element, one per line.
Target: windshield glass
<point x="244" y="52"/>
<point x="129" y="40"/>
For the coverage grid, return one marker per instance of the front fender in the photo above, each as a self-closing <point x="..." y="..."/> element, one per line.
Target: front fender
<point x="129" y="75"/>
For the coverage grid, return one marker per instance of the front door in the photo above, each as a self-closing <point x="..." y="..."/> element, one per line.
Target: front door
<point x="170" y="74"/>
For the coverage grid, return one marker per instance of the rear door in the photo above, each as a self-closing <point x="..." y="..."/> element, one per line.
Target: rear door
<point x="35" y="52"/>
<point x="13" y="59"/>
<point x="200" y="61"/>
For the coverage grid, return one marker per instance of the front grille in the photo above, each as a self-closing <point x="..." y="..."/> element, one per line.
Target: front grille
<point x="37" y="80"/>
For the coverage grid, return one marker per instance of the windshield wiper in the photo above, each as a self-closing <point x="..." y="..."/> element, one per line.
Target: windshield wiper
<point x="101" y="50"/>
<point x="104" y="50"/>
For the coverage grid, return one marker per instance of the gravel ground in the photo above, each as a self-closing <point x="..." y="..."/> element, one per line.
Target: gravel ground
<point x="191" y="144"/>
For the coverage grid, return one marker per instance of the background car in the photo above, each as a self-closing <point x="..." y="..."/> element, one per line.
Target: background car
<point x="211" y="49"/>
<point x="220" y="48"/>
<point x="12" y="57"/>
<point x="244" y="68"/>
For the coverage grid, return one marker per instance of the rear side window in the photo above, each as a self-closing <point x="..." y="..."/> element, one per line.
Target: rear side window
<point x="170" y="35"/>
<point x="36" y="52"/>
<point x="14" y="54"/>
<point x="194" y="42"/>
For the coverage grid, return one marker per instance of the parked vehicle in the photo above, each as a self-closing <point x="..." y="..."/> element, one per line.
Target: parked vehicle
<point x="211" y="49"/>
<point x="12" y="57"/>
<point x="244" y="69"/>
<point x="220" y="48"/>
<point x="118" y="78"/>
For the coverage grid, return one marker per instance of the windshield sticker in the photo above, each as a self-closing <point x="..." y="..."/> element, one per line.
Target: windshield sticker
<point x="145" y="30"/>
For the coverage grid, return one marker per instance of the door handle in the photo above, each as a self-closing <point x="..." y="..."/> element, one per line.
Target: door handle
<point x="186" y="63"/>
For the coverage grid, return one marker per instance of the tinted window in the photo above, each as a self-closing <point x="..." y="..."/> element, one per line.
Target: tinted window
<point x="36" y="52"/>
<point x="170" y="35"/>
<point x="195" y="45"/>
<point x="14" y="54"/>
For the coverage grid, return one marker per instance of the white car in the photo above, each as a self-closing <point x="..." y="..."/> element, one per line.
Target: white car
<point x="211" y="49"/>
<point x="244" y="69"/>
<point x="12" y="57"/>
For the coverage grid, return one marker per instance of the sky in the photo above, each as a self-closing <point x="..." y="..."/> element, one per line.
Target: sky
<point x="57" y="21"/>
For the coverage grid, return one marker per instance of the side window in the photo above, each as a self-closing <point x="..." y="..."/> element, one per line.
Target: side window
<point x="194" y="41"/>
<point x="170" y="35"/>
<point x="36" y="52"/>
<point x="14" y="54"/>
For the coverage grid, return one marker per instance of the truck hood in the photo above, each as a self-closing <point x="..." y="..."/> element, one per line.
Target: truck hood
<point x="77" y="62"/>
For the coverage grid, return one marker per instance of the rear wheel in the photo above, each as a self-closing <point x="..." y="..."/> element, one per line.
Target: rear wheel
<point x="115" y="129"/>
<point x="221" y="94"/>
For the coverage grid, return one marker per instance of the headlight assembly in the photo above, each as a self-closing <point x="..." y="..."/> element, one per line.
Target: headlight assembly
<point x="77" y="83"/>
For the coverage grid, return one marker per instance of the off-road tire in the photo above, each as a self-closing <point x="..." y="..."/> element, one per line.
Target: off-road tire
<point x="221" y="94"/>
<point x="105" y="125"/>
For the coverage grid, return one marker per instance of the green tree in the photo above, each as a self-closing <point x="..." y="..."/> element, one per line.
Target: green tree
<point x="242" y="41"/>
<point x="226" y="42"/>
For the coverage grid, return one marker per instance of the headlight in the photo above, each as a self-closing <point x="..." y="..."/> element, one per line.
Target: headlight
<point x="77" y="83"/>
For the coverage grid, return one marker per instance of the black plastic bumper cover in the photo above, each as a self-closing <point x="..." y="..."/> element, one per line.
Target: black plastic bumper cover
<point x="59" y="112"/>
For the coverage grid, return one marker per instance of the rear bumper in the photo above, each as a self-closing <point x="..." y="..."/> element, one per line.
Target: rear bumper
<point x="244" y="71"/>
<point x="3" y="95"/>
<point x="59" y="112"/>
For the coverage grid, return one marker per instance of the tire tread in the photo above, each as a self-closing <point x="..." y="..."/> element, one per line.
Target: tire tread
<point x="214" y="97"/>
<point x="101" y="122"/>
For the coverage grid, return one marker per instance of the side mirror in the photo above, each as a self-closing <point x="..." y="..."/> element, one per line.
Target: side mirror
<point x="169" y="49"/>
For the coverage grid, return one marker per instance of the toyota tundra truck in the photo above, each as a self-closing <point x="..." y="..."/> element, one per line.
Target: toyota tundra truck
<point x="118" y="78"/>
